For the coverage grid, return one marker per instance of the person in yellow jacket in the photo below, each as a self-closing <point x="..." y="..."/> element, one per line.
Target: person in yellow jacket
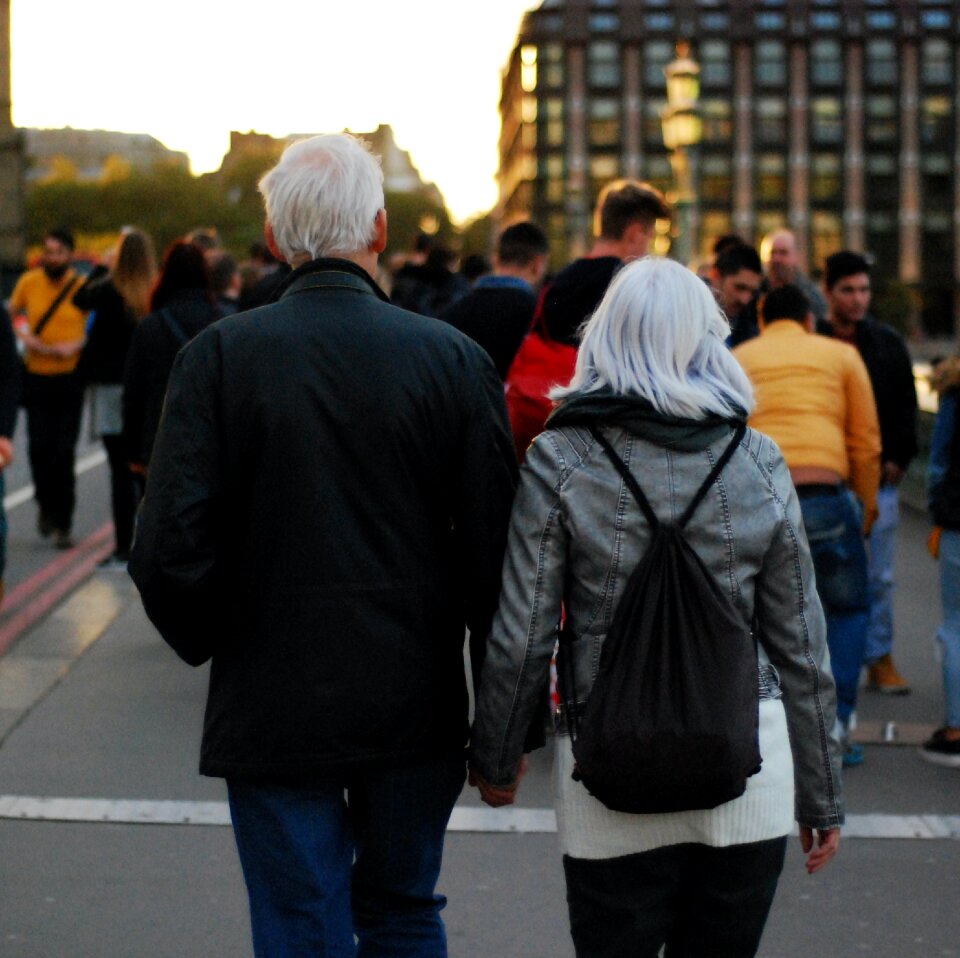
<point x="52" y="332"/>
<point x="815" y="400"/>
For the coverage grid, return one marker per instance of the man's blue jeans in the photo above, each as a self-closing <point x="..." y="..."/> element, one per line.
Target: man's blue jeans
<point x="323" y="865"/>
<point x="880" y="552"/>
<point x="834" y="527"/>
<point x="949" y="632"/>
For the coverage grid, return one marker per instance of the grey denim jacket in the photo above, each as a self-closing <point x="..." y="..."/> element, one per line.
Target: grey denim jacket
<point x="576" y="534"/>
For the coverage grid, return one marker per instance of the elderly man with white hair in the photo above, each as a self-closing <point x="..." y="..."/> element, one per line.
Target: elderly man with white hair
<point x="325" y="514"/>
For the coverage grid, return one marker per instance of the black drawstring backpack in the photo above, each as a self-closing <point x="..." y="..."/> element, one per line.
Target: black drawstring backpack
<point x="671" y="723"/>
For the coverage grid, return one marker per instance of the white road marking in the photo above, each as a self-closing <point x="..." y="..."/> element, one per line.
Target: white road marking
<point x="464" y="819"/>
<point x="25" y="493"/>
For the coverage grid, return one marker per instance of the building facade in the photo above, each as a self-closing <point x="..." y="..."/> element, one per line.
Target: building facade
<point x="834" y="118"/>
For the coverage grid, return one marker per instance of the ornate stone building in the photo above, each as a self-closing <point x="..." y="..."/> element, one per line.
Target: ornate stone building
<point x="835" y="118"/>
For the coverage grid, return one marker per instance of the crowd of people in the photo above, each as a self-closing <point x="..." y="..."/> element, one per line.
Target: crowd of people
<point x="332" y="484"/>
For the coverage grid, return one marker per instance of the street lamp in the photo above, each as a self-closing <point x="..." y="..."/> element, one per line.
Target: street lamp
<point x="682" y="131"/>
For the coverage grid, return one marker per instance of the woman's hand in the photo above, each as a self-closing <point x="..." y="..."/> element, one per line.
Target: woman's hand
<point x="828" y="841"/>
<point x="497" y="797"/>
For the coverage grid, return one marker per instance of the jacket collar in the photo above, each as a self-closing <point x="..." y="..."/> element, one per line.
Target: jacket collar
<point x="329" y="273"/>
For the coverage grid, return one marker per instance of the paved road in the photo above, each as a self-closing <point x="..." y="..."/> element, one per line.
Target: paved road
<point x="95" y="710"/>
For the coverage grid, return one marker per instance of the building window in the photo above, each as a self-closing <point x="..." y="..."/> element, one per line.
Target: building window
<point x="881" y="20"/>
<point x="936" y="164"/>
<point x="826" y="178"/>
<point x="822" y="20"/>
<point x="771" y="119"/>
<point x="882" y="122"/>
<point x="604" y="22"/>
<point x="772" y="22"/>
<point x="553" y="116"/>
<point x="936" y="126"/>
<point x="770" y="63"/>
<point x="656" y="55"/>
<point x="936" y="19"/>
<point x="716" y="178"/>
<point x="658" y="172"/>
<point x="603" y="64"/>
<point x="826" y="236"/>
<point x="770" y="220"/>
<point x="659" y="21"/>
<point x="551" y="65"/>
<point x="826" y="120"/>
<point x="935" y="62"/>
<point x="881" y="62"/>
<point x="714" y="63"/>
<point x="553" y="173"/>
<point x="604" y="168"/>
<point x="718" y="22"/>
<point x="717" y="120"/>
<point x="826" y="63"/>
<point x="771" y="177"/>
<point x="604" y="128"/>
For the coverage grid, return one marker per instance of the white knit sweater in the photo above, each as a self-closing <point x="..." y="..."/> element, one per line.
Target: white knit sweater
<point x="588" y="829"/>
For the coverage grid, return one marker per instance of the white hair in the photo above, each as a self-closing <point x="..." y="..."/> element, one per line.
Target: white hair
<point x="658" y="333"/>
<point x="323" y="197"/>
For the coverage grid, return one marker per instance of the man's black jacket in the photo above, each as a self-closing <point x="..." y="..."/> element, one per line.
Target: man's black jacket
<point x="326" y="511"/>
<point x="891" y="374"/>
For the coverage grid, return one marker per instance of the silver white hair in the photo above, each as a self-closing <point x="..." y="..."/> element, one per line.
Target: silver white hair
<point x="658" y="333"/>
<point x="323" y="197"/>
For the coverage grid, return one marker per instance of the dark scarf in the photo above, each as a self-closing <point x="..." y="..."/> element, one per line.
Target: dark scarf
<point x="638" y="416"/>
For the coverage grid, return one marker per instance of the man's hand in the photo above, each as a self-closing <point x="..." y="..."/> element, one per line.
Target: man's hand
<point x="6" y="452"/>
<point x="498" y="797"/>
<point x="828" y="841"/>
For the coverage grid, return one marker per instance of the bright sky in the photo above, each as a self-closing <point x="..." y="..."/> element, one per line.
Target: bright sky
<point x="189" y="71"/>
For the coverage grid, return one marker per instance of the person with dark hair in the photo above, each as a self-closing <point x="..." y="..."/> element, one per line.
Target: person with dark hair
<point x="226" y="280"/>
<point x="119" y="296"/>
<point x="475" y="266"/>
<point x="498" y="311"/>
<point x="814" y="399"/>
<point x="430" y="287"/>
<point x="52" y="331"/>
<point x="625" y="224"/>
<point x="263" y="273"/>
<point x="735" y="277"/>
<point x="725" y="242"/>
<point x="182" y="305"/>
<point x="888" y="362"/>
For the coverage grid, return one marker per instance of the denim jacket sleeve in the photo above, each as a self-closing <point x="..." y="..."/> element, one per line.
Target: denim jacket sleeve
<point x="524" y="629"/>
<point x="793" y="633"/>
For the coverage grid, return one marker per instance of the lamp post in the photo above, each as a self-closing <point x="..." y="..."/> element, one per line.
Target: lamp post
<point x="682" y="131"/>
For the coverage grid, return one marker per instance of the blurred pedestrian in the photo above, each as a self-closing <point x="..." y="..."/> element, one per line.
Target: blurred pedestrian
<point x="815" y="401"/>
<point x="226" y="280"/>
<point x="52" y="331"/>
<point x="943" y="747"/>
<point x="430" y="287"/>
<point x="325" y="515"/>
<point x="182" y="304"/>
<point x="498" y="311"/>
<point x="781" y="259"/>
<point x="655" y="378"/>
<point x="735" y="278"/>
<point x="118" y="297"/>
<point x="891" y="374"/>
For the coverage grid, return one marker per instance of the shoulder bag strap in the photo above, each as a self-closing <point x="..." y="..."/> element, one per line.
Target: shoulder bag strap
<point x="54" y="306"/>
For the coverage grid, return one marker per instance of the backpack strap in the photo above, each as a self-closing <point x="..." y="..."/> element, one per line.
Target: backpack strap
<point x="638" y="494"/>
<point x="628" y="478"/>
<point x="714" y="472"/>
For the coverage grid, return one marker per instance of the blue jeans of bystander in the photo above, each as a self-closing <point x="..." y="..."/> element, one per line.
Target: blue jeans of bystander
<point x="350" y="869"/>
<point x="834" y="528"/>
<point x="880" y="554"/>
<point x="949" y="633"/>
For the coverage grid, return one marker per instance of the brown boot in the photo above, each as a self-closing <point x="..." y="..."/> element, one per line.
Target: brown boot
<point x="885" y="678"/>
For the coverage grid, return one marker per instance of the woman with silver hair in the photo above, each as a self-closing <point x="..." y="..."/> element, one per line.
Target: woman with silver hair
<point x="654" y="379"/>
